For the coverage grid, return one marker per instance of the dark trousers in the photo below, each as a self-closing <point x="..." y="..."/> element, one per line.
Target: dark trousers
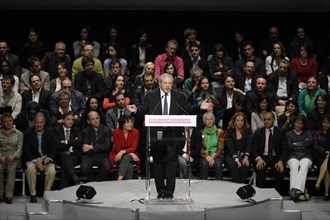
<point x="261" y="174"/>
<point x="165" y="165"/>
<point x="67" y="163"/>
<point x="238" y="175"/>
<point x="99" y="160"/>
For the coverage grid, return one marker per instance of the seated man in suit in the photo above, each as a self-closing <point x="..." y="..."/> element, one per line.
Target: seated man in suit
<point x="270" y="149"/>
<point x="284" y="83"/>
<point x="77" y="99"/>
<point x="97" y="144"/>
<point x="39" y="154"/>
<point x="68" y="145"/>
<point x="34" y="69"/>
<point x="113" y="114"/>
<point x="36" y="93"/>
<point x="64" y="100"/>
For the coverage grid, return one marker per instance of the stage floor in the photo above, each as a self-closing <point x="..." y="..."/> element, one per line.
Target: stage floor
<point x="208" y="198"/>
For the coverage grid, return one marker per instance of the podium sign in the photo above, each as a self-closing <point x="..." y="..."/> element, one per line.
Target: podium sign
<point x="170" y="120"/>
<point x="165" y="122"/>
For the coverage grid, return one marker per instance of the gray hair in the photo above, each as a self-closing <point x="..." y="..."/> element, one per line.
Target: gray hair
<point x="165" y="75"/>
<point x="207" y="114"/>
<point x="64" y="93"/>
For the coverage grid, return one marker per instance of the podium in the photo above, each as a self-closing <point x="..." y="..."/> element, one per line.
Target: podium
<point x="157" y="128"/>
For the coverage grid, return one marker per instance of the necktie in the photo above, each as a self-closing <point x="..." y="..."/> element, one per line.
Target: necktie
<point x="67" y="134"/>
<point x="121" y="113"/>
<point x="40" y="144"/>
<point x="165" y="111"/>
<point x="270" y="147"/>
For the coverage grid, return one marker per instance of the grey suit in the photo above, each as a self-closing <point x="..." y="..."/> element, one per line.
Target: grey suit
<point x="112" y="117"/>
<point x="25" y="83"/>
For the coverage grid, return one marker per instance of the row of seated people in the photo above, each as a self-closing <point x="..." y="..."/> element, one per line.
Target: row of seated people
<point x="277" y="89"/>
<point x="269" y="147"/>
<point x="314" y="83"/>
<point x="40" y="147"/>
<point x="222" y="57"/>
<point x="210" y="148"/>
<point x="88" y="68"/>
<point x="215" y="69"/>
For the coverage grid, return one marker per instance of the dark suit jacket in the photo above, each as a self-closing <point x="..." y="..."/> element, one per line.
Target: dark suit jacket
<point x="78" y="102"/>
<point x="15" y="64"/>
<point x="259" y="66"/>
<point x="232" y="145"/>
<point x="323" y="81"/>
<point x="135" y="56"/>
<point x="179" y="106"/>
<point x="44" y="99"/>
<point x="252" y="100"/>
<point x="97" y="84"/>
<point x="30" y="145"/>
<point x="222" y="97"/>
<point x="279" y="140"/>
<point x="291" y="83"/>
<point x="49" y="64"/>
<point x="104" y="145"/>
<point x="111" y="117"/>
<point x="195" y="143"/>
<point x="75" y="140"/>
<point x="22" y="120"/>
<point x="202" y="63"/>
<point x="138" y="96"/>
<point x="240" y="80"/>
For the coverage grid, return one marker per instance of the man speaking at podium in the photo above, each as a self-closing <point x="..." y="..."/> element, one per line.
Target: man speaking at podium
<point x="165" y="145"/>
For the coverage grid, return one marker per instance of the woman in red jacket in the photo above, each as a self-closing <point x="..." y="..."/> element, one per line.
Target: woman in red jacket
<point x="124" y="154"/>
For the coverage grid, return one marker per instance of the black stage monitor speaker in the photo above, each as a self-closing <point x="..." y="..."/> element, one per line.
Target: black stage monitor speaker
<point x="85" y="192"/>
<point x="246" y="192"/>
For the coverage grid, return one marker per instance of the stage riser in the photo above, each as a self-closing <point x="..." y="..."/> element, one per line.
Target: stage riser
<point x="122" y="200"/>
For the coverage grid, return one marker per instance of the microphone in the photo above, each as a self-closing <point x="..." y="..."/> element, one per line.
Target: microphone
<point x="182" y="109"/>
<point x="160" y="101"/>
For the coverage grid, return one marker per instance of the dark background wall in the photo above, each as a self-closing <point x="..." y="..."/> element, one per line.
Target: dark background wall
<point x="212" y="26"/>
<point x="171" y="5"/>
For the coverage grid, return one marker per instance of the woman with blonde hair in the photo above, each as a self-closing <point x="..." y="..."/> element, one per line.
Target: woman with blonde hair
<point x="148" y="68"/>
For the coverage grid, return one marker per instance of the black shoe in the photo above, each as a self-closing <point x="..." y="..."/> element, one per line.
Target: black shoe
<point x="8" y="200"/>
<point x="169" y="197"/>
<point x="2" y="199"/>
<point x="316" y="188"/>
<point x="161" y="196"/>
<point x="33" y="199"/>
<point x="326" y="197"/>
<point x="294" y="194"/>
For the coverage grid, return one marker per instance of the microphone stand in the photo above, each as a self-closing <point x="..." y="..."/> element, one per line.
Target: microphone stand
<point x="148" y="161"/>
<point x="189" y="165"/>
